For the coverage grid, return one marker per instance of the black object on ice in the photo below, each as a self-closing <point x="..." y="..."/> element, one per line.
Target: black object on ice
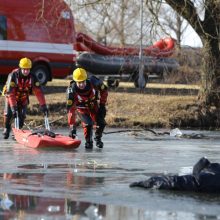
<point x="204" y="178"/>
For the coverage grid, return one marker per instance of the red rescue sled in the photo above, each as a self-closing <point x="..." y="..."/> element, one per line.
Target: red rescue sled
<point x="44" y="140"/>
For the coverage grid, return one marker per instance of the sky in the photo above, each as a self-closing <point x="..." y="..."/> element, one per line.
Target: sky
<point x="191" y="38"/>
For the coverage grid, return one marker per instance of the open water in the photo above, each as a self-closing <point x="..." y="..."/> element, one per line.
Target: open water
<point x="80" y="184"/>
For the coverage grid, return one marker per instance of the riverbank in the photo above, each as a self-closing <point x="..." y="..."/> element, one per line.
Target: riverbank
<point x="158" y="106"/>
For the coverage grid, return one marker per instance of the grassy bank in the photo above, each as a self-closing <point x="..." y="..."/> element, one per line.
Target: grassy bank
<point x="159" y="105"/>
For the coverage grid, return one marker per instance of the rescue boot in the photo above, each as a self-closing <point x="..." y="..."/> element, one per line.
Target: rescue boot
<point x="99" y="142"/>
<point x="88" y="137"/>
<point x="89" y="145"/>
<point x="72" y="133"/>
<point x="7" y="125"/>
<point x="6" y="133"/>
<point x="98" y="134"/>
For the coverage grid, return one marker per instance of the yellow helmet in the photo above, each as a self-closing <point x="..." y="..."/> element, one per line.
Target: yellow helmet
<point x="25" y="63"/>
<point x="79" y="75"/>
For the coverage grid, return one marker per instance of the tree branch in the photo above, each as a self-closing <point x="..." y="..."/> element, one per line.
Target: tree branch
<point x="187" y="10"/>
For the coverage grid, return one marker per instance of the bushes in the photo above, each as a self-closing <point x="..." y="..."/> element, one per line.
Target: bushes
<point x="189" y="71"/>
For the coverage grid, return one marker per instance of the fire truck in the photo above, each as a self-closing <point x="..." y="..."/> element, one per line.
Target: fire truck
<point x="42" y="30"/>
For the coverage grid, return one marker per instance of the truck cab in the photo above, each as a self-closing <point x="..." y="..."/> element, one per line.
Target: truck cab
<point x="43" y="31"/>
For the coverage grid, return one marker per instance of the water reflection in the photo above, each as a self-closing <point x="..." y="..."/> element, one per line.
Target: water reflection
<point x="31" y="207"/>
<point x="14" y="206"/>
<point x="89" y="179"/>
<point x="43" y="180"/>
<point x="45" y="206"/>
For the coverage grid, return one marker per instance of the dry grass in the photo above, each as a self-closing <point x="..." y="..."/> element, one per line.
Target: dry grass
<point x="126" y="106"/>
<point x="160" y="85"/>
<point x="126" y="109"/>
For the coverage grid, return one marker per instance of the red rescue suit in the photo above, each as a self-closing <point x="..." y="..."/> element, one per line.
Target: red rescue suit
<point x="86" y="102"/>
<point x="17" y="91"/>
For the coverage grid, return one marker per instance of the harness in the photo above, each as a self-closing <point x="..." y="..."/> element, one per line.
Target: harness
<point x="85" y="98"/>
<point x="23" y="88"/>
<point x="88" y="100"/>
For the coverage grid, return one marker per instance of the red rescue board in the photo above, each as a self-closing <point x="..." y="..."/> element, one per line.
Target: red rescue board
<point x="41" y="141"/>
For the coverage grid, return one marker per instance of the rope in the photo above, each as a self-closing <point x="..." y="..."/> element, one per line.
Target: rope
<point x="130" y="130"/>
<point x="188" y="136"/>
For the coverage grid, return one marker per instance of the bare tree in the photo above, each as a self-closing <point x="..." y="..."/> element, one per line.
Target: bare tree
<point x="173" y="22"/>
<point x="208" y="30"/>
<point x="115" y="21"/>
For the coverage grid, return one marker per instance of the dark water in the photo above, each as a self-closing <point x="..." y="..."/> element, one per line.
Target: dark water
<point x="80" y="184"/>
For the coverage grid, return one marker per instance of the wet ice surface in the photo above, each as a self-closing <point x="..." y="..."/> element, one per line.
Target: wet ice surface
<point x="95" y="184"/>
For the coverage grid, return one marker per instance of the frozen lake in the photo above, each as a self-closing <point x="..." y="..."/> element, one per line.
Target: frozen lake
<point x="80" y="184"/>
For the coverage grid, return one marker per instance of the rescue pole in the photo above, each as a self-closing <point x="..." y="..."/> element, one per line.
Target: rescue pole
<point x="46" y="121"/>
<point x="141" y="79"/>
<point x="17" y="121"/>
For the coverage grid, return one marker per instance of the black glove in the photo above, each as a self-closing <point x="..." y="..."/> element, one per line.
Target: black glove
<point x="200" y="165"/>
<point x="102" y="110"/>
<point x="44" y="109"/>
<point x="72" y="133"/>
<point x="14" y="111"/>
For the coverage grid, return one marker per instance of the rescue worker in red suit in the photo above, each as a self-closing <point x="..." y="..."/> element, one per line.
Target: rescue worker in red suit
<point x="19" y="85"/>
<point x="87" y="97"/>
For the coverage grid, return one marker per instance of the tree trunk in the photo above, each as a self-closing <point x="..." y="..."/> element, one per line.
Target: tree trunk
<point x="210" y="92"/>
<point x="208" y="30"/>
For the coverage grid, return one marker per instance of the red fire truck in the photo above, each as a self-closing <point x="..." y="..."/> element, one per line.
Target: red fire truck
<point x="42" y="30"/>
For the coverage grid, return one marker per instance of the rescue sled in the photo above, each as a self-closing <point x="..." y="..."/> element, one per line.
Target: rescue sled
<point x="44" y="138"/>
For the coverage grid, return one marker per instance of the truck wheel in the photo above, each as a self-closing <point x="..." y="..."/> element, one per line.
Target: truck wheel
<point x="136" y="81"/>
<point x="42" y="73"/>
<point x="112" y="83"/>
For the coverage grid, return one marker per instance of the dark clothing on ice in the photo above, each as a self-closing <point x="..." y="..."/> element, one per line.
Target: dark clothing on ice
<point x="204" y="178"/>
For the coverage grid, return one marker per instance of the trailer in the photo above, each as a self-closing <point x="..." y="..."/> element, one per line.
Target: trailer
<point x="40" y="30"/>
